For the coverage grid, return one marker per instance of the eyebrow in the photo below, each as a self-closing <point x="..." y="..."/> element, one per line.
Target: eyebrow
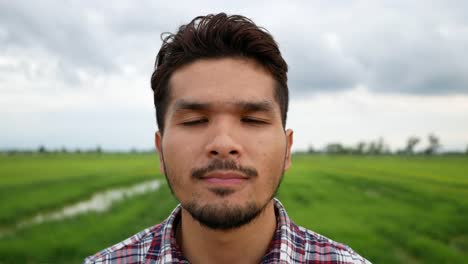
<point x="246" y="106"/>
<point x="259" y="106"/>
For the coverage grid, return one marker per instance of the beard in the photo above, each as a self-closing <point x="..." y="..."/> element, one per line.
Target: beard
<point x="222" y="215"/>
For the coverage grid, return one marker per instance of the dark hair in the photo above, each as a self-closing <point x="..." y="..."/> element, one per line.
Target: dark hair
<point x="217" y="36"/>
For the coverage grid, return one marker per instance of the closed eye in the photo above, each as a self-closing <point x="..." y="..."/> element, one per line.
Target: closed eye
<point x="195" y="122"/>
<point x="254" y="121"/>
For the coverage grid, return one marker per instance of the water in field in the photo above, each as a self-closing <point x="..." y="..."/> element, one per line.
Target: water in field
<point x="99" y="202"/>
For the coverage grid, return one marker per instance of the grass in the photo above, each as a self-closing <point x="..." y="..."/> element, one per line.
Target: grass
<point x="32" y="183"/>
<point x="389" y="209"/>
<point x="71" y="240"/>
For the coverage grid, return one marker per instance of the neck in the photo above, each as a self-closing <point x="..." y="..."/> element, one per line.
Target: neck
<point x="246" y="244"/>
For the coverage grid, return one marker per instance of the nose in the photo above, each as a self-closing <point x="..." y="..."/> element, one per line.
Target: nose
<point x="223" y="145"/>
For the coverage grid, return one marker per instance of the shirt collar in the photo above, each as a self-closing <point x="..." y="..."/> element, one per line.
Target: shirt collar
<point x="277" y="251"/>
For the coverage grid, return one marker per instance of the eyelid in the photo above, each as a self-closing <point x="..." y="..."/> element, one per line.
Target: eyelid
<point x="254" y="120"/>
<point x="193" y="122"/>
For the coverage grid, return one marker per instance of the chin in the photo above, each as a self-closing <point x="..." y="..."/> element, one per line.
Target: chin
<point x="224" y="214"/>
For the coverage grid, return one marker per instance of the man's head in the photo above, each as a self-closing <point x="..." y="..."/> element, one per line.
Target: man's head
<point x="221" y="100"/>
<point x="217" y="36"/>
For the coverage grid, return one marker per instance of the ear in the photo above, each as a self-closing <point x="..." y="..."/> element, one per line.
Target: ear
<point x="289" y="142"/>
<point x="158" y="144"/>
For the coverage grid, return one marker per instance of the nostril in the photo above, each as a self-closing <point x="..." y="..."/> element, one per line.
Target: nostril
<point x="214" y="152"/>
<point x="233" y="152"/>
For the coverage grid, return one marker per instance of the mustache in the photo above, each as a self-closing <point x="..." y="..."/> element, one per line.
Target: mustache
<point x="218" y="164"/>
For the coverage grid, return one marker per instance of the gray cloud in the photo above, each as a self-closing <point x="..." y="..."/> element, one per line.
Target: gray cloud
<point x="76" y="73"/>
<point x="390" y="46"/>
<point x="315" y="66"/>
<point x="413" y="53"/>
<point x="96" y="39"/>
<point x="58" y="28"/>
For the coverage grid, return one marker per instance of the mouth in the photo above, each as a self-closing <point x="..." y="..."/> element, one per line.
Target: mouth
<point x="225" y="178"/>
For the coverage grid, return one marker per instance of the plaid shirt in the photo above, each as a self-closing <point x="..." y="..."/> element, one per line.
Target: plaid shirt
<point x="290" y="244"/>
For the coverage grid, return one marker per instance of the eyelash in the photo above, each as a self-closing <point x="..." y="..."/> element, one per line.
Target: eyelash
<point x="195" y="122"/>
<point x="253" y="121"/>
<point x="247" y="120"/>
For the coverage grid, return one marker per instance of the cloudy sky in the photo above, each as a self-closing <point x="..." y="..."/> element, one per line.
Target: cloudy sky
<point x="76" y="73"/>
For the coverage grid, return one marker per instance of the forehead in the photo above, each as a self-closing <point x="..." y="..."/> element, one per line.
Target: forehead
<point x="222" y="80"/>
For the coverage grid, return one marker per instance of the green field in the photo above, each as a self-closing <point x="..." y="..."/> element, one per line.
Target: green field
<point x="389" y="209"/>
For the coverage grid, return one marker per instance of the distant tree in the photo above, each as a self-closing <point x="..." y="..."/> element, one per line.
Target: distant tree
<point x="360" y="147"/>
<point x="14" y="151"/>
<point x="466" y="151"/>
<point x="387" y="150"/>
<point x="335" y="148"/>
<point x="372" y="148"/>
<point x="42" y="149"/>
<point x="63" y="149"/>
<point x="433" y="144"/>
<point x="310" y="149"/>
<point x="98" y="149"/>
<point x="376" y="147"/>
<point x="411" y="144"/>
<point x="380" y="146"/>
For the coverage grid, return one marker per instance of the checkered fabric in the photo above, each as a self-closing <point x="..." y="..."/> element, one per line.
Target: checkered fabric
<point x="290" y="244"/>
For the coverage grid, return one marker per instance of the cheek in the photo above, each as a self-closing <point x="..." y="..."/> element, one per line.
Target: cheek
<point x="179" y="153"/>
<point x="268" y="151"/>
<point x="177" y="143"/>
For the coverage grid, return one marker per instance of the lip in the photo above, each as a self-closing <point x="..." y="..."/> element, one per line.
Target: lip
<point x="225" y="178"/>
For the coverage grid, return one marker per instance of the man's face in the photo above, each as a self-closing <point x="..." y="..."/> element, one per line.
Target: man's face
<point x="224" y="149"/>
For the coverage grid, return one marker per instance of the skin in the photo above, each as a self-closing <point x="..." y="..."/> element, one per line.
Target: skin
<point x="224" y="109"/>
